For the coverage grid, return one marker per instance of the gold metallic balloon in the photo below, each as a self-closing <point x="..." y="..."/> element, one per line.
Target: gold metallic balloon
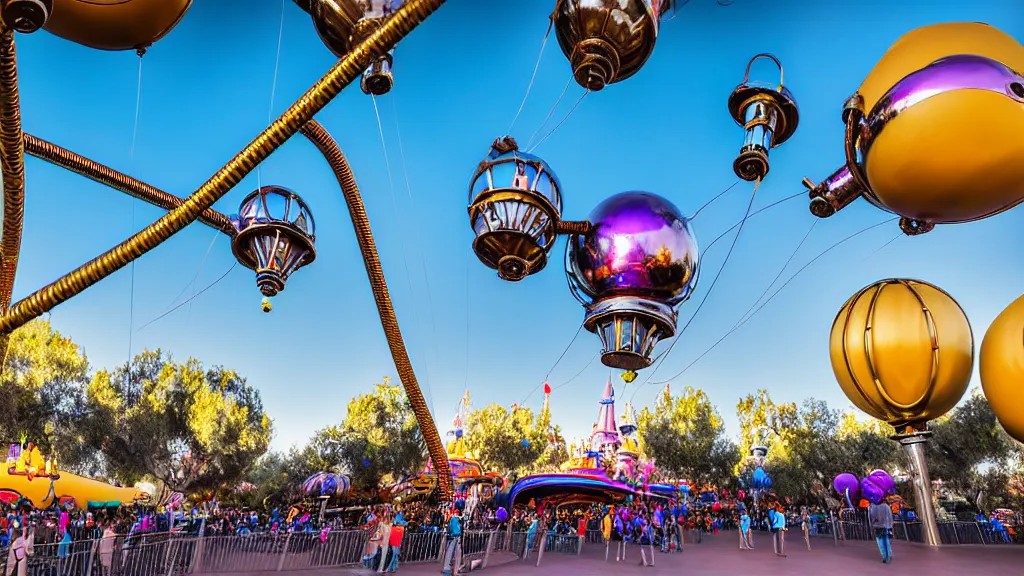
<point x="933" y="133"/>
<point x="607" y="41"/>
<point x="115" y="24"/>
<point x="1002" y="368"/>
<point x="902" y="351"/>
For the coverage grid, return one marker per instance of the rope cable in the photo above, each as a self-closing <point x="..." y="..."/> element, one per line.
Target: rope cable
<point x="560" y="122"/>
<point x="402" y="240"/>
<point x="131" y="168"/>
<point x="273" y="86"/>
<point x="533" y="77"/>
<point x="776" y="293"/>
<point x="555" y="365"/>
<point x="739" y="231"/>
<point x="197" y="294"/>
<point x="551" y="112"/>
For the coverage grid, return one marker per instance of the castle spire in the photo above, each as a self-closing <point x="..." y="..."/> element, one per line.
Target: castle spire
<point x="605" y="431"/>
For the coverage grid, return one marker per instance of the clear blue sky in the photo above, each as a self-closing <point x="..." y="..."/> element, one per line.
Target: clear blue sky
<point x="206" y="92"/>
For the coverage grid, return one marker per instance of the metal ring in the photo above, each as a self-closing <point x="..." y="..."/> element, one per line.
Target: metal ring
<point x="1015" y="90"/>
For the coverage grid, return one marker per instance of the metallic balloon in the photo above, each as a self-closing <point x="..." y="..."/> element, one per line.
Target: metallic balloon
<point x="1002" y="368"/>
<point x="515" y="201"/>
<point x="631" y="271"/>
<point x="115" y="24"/>
<point x="769" y="116"/>
<point x="276" y="236"/>
<point x="25" y="16"/>
<point x="902" y="351"/>
<point x="933" y="134"/>
<point x="607" y="41"/>
<point x="341" y="24"/>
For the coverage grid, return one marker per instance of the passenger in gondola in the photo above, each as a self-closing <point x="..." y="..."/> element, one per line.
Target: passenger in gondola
<point x="521" y="180"/>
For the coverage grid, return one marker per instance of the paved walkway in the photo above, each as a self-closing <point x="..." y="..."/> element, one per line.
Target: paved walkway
<point x="718" y="555"/>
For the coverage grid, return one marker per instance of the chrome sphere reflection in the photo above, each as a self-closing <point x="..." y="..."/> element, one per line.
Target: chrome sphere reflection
<point x="607" y="41"/>
<point x="276" y="236"/>
<point x="515" y="203"/>
<point x="341" y="24"/>
<point x="631" y="272"/>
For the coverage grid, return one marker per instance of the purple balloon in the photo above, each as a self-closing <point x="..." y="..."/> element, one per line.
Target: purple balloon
<point x="883" y="480"/>
<point x="501" y="515"/>
<point x="870" y="491"/>
<point x="640" y="245"/>
<point x="844" y="482"/>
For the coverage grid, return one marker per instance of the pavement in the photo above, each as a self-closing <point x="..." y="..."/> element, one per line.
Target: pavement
<point x="719" y="555"/>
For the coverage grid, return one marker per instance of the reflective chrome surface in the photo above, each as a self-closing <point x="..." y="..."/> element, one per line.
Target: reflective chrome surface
<point x="631" y="271"/>
<point x="834" y="193"/>
<point x="769" y="116"/>
<point x="607" y="41"/>
<point x="276" y="236"/>
<point x="335" y="21"/>
<point x="515" y="203"/>
<point x="378" y="79"/>
<point x="640" y="245"/>
<point x="963" y="72"/>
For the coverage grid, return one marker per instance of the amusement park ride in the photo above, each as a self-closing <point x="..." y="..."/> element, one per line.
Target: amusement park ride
<point x="932" y="135"/>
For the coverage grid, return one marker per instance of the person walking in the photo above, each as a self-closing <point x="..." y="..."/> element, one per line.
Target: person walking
<point x="17" y="555"/>
<point x="395" y="542"/>
<point x="745" y="530"/>
<point x="453" y="549"/>
<point x="777" y="521"/>
<point x="880" y="517"/>
<point x="805" y="525"/>
<point x="606" y="531"/>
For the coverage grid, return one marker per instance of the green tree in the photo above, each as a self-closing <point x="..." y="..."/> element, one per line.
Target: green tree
<point x="555" y="453"/>
<point x="967" y="444"/>
<point x="186" y="427"/>
<point x="378" y="442"/>
<point x="42" y="395"/>
<point x="504" y="440"/>
<point x="686" y="437"/>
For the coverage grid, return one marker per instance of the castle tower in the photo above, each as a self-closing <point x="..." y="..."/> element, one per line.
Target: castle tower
<point x="605" y="432"/>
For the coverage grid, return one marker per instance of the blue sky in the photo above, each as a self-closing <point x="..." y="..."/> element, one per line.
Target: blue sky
<point x="206" y="92"/>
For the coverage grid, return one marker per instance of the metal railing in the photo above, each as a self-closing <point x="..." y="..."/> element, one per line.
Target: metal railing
<point x="177" y="555"/>
<point x="854" y="525"/>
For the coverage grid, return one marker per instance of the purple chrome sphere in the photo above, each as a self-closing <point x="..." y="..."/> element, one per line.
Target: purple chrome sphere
<point x="640" y="245"/>
<point x="631" y="271"/>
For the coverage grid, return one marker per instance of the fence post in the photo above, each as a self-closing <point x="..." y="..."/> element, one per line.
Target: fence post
<point x="92" y="557"/>
<point x="490" y="546"/>
<point x="284" y="553"/>
<point x="441" y="549"/>
<point x="196" y="566"/>
<point x="981" y="534"/>
<point x="906" y="533"/>
<point x="508" y="537"/>
<point x="835" y="532"/>
<point x="543" y="545"/>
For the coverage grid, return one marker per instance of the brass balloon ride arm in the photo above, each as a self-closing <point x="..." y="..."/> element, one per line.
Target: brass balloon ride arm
<point x="12" y="161"/>
<point x="78" y="164"/>
<point x="183" y="212"/>
<point x="348" y="69"/>
<point x="346" y="179"/>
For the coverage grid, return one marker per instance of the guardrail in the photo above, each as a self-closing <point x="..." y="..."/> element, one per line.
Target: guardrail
<point x="854" y="525"/>
<point x="177" y="555"/>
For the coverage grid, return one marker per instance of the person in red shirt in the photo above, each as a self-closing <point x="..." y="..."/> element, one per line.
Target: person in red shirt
<point x="581" y="532"/>
<point x="395" y="542"/>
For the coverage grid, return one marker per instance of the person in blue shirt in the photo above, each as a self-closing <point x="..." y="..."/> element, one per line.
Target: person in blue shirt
<point x="531" y="533"/>
<point x="453" y="552"/>
<point x="777" y="521"/>
<point x="745" y="543"/>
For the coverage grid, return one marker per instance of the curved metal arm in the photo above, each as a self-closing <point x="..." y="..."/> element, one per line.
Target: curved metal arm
<point x="97" y="172"/>
<point x="12" y="160"/>
<point x="782" y="73"/>
<point x="346" y="179"/>
<point x="347" y="70"/>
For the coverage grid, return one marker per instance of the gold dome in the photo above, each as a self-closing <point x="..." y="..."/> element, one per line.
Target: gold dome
<point x="115" y="24"/>
<point x="902" y="351"/>
<point x="1002" y="368"/>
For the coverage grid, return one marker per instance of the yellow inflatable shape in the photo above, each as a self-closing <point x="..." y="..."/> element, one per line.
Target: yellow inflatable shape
<point x="1002" y="368"/>
<point x="83" y="490"/>
<point x="956" y="156"/>
<point x="902" y="351"/>
<point x="919" y="48"/>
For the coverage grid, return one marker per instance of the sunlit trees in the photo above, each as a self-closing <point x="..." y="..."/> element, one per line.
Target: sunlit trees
<point x="182" y="425"/>
<point x="379" y="440"/>
<point x="41" y="394"/>
<point x="506" y="440"/>
<point x="686" y="436"/>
